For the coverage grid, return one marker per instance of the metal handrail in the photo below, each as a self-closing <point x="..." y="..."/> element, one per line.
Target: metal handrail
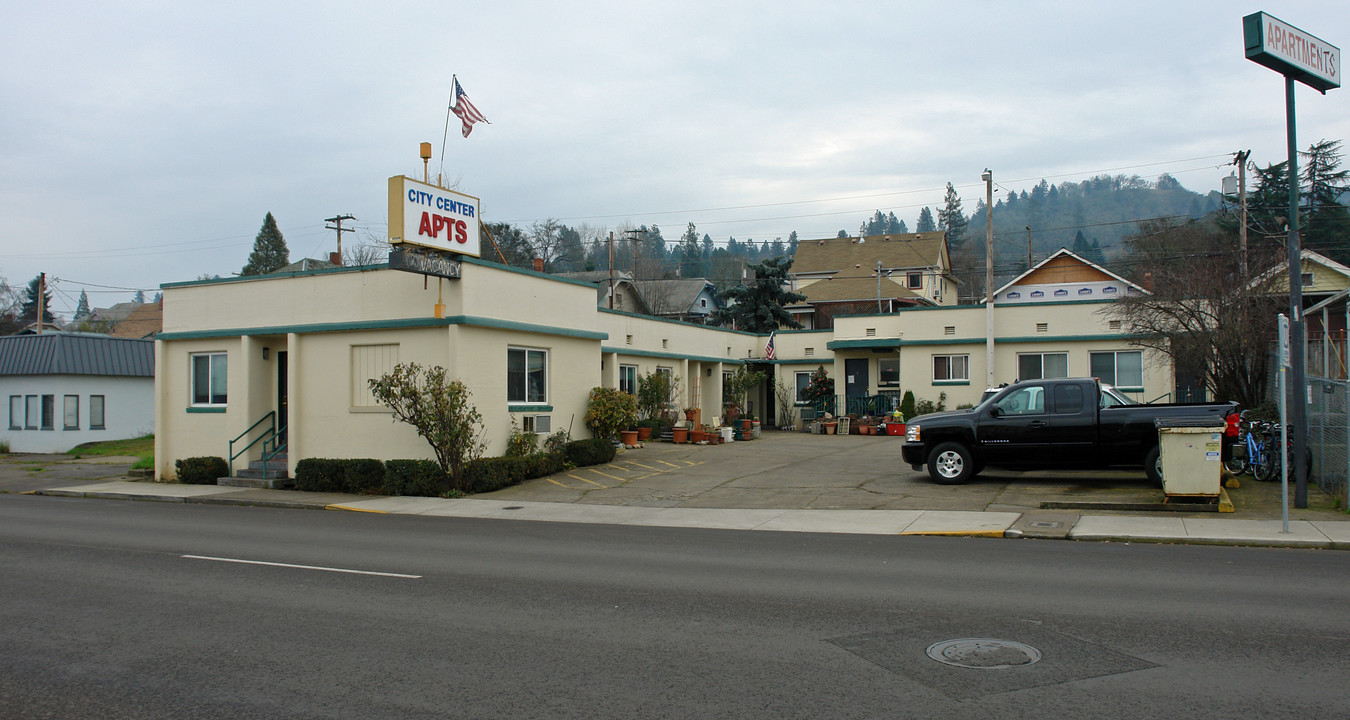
<point x="271" y="432"/>
<point x="278" y="448"/>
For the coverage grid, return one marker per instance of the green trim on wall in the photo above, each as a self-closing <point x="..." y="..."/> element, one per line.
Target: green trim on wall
<point x="275" y="276"/>
<point x="206" y="409"/>
<point x="675" y="356"/>
<point x="682" y="323"/>
<point x="1068" y="338"/>
<point x="803" y="361"/>
<point x="529" y="408"/>
<point x="395" y="324"/>
<point x="950" y="382"/>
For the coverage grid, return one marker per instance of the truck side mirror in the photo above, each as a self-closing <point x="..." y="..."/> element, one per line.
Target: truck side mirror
<point x="994" y="411"/>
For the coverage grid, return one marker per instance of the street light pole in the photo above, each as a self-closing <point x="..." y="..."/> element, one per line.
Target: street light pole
<point x="988" y="178"/>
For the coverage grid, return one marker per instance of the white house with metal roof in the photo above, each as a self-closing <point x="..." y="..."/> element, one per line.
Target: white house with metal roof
<point x="66" y="389"/>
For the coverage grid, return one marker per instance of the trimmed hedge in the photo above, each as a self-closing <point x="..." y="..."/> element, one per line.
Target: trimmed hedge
<point x="589" y="452"/>
<point x="415" y="477"/>
<point x="359" y="476"/>
<point x="488" y="474"/>
<point x="201" y="470"/>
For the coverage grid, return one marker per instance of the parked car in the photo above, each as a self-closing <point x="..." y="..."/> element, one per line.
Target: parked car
<point x="1058" y="423"/>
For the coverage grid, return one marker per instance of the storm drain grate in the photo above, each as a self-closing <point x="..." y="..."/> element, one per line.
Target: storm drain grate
<point x="983" y="653"/>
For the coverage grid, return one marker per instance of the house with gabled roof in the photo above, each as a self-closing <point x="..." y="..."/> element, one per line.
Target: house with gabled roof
<point x="875" y="273"/>
<point x="614" y="291"/>
<point x="1065" y="276"/>
<point x="66" y="389"/>
<point x="687" y="299"/>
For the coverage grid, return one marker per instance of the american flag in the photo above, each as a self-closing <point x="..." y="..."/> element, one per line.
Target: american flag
<point x="465" y="109"/>
<point x="768" y="349"/>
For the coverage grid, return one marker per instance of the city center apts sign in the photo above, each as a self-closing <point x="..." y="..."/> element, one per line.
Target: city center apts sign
<point x="432" y="217"/>
<point x="1292" y="52"/>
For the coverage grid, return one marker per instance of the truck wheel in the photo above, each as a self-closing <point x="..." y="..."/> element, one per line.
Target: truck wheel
<point x="1153" y="465"/>
<point x="951" y="464"/>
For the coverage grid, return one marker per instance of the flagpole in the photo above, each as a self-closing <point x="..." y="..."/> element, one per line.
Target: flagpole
<point x="441" y="173"/>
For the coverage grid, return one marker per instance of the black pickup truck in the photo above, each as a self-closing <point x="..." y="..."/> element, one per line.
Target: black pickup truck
<point x="1040" y="424"/>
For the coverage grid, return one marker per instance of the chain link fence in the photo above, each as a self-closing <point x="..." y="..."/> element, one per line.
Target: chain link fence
<point x="1329" y="435"/>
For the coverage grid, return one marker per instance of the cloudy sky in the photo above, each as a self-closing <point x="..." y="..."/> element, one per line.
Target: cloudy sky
<point x="143" y="142"/>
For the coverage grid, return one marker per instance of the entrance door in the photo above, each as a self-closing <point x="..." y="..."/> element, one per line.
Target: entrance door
<point x="282" y="422"/>
<point x="856" y="381"/>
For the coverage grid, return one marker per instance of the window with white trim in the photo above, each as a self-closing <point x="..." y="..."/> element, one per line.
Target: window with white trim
<point x="628" y="379"/>
<point x="96" y="412"/>
<point x="803" y="379"/>
<point x="71" y="413"/>
<point x="1037" y="366"/>
<point x="527" y="375"/>
<point x="951" y="367"/>
<point x="914" y="280"/>
<point x="888" y="372"/>
<point x="208" y="379"/>
<point x="1122" y="368"/>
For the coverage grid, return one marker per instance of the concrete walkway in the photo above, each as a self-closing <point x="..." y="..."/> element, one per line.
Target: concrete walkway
<point x="783" y="482"/>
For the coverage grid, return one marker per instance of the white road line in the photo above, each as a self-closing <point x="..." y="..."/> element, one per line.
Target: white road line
<point x="301" y="567"/>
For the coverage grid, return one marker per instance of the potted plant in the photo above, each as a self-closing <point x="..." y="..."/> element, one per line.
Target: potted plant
<point x="681" y="434"/>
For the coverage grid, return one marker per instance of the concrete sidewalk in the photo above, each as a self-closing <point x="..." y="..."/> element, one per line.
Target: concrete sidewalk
<point x="1268" y="533"/>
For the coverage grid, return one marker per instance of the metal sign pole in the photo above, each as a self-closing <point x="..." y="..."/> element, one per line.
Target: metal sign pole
<point x="1284" y="420"/>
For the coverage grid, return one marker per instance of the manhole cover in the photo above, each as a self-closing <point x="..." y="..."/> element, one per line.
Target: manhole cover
<point x="1045" y="524"/>
<point x="983" y="653"/>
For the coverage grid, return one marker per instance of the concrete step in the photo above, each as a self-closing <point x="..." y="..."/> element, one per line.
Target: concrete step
<point x="272" y="482"/>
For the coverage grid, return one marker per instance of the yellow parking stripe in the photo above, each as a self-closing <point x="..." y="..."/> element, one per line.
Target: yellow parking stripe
<point x="663" y="462"/>
<point x="644" y="467"/>
<point x="555" y="482"/>
<point x="611" y="477"/>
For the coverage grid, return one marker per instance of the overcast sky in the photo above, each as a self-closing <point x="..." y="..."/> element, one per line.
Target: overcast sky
<point x="142" y="143"/>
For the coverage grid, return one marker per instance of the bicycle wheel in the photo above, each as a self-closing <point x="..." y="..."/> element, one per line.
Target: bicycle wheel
<point x="1266" y="464"/>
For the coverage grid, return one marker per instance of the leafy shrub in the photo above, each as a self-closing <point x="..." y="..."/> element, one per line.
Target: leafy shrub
<point x="438" y="407"/>
<point x="423" y="478"/>
<point x="923" y="407"/>
<point x="608" y="410"/>
<point x="907" y="405"/>
<point x="589" y="452"/>
<point x="520" y="443"/>
<point x="201" y="470"/>
<point x="557" y="442"/>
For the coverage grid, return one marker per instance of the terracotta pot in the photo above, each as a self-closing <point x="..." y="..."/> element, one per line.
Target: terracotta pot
<point x="629" y="437"/>
<point x="747" y="424"/>
<point x="681" y="435"/>
<point x="864" y="429"/>
<point x="830" y="428"/>
<point x="644" y="433"/>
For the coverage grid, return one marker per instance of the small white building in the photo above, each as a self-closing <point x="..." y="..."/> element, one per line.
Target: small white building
<point x="66" y="389"/>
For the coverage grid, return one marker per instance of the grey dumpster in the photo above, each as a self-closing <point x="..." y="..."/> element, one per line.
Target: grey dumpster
<point x="1191" y="453"/>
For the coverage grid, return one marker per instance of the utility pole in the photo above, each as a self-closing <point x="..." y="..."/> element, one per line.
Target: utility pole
<point x="988" y="178"/>
<point x="41" y="300"/>
<point x="611" y="269"/>
<point x="878" y="287"/>
<point x="1028" y="247"/>
<point x="1240" y="159"/>
<point x="633" y="238"/>
<point x="338" y="227"/>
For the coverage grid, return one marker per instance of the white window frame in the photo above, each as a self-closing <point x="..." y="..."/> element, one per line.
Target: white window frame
<point x="957" y="367"/>
<point x="370" y="362"/>
<point x="526" y="353"/>
<point x="1115" y="369"/>
<point x="628" y="375"/>
<point x="96" y="412"/>
<point x="914" y="280"/>
<point x="882" y="383"/>
<point x="70" y="405"/>
<point x="800" y="386"/>
<point x="1042" y="357"/>
<point x="212" y="371"/>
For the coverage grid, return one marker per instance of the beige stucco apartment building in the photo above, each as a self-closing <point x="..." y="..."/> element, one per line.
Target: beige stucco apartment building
<point x="296" y="350"/>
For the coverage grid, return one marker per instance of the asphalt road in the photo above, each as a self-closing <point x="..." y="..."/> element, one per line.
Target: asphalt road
<point x="103" y="613"/>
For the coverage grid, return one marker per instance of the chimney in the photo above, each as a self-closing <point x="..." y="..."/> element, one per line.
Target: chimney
<point x="335" y="258"/>
<point x="538" y="265"/>
<point x="1147" y="282"/>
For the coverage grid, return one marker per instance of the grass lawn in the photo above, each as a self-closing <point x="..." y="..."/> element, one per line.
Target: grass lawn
<point x="141" y="447"/>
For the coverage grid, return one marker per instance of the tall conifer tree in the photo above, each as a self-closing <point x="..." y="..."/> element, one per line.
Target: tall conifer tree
<point x="269" y="250"/>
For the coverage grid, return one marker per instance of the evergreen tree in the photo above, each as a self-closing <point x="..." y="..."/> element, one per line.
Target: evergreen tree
<point x="842" y="234"/>
<point x="269" y="250"/>
<point x="926" y="223"/>
<point x="159" y="298"/>
<point x="758" y="306"/>
<point x="952" y="219"/>
<point x="1268" y="204"/>
<point x="82" y="309"/>
<point x="30" y="303"/>
<point x="138" y="297"/>
<point x="707" y="247"/>
<point x="691" y="254"/>
<point x="792" y="244"/>
<point x="1325" y="221"/>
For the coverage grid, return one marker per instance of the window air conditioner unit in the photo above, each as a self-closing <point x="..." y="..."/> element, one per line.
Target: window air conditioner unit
<point x="541" y="424"/>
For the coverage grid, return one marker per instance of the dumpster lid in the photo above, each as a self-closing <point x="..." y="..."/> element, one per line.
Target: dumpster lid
<point x="1189" y="422"/>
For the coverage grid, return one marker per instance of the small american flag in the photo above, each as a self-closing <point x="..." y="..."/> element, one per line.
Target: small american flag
<point x="465" y="109"/>
<point x="768" y="349"/>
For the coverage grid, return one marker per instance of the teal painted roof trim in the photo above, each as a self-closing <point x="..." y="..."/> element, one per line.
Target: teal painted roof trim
<point x="894" y="342"/>
<point x="675" y="356"/>
<point x="398" y="324"/>
<point x="681" y="323"/>
<point x="298" y="273"/>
